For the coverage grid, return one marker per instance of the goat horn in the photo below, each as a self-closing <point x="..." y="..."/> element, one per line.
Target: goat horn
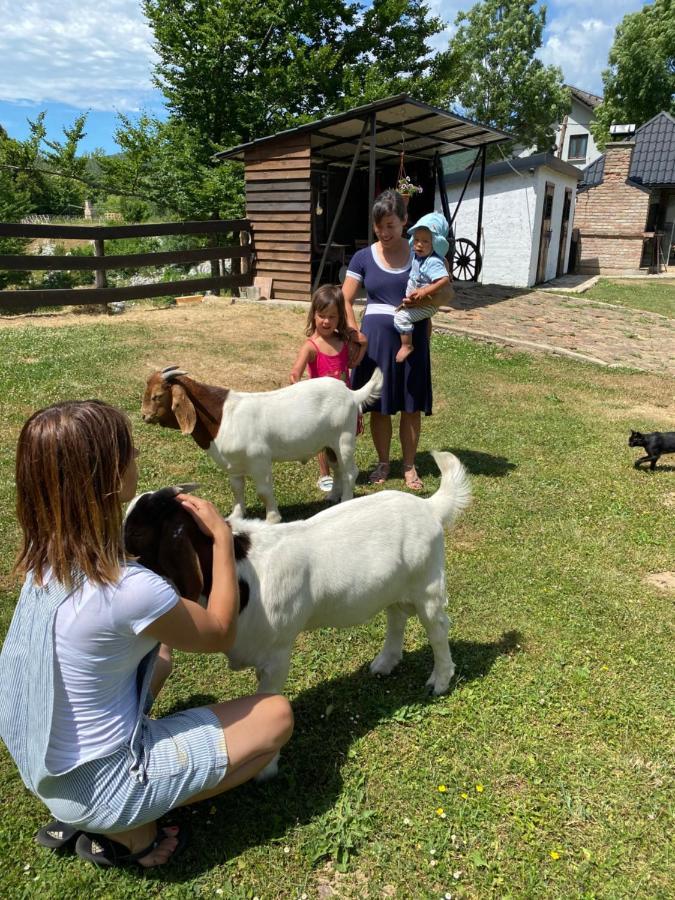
<point x="172" y="372"/>
<point x="188" y="488"/>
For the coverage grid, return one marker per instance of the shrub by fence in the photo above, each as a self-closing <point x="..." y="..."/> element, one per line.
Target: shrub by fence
<point x="218" y="231"/>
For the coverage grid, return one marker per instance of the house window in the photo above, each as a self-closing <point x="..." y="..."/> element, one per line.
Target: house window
<point x="578" y="146"/>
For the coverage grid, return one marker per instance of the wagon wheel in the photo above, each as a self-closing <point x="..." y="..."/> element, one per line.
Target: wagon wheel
<point x="466" y="260"/>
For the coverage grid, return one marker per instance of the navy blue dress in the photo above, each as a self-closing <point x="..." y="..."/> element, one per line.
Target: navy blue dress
<point x="407" y="385"/>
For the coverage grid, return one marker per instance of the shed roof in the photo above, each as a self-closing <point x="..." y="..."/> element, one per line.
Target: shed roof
<point x="518" y="164"/>
<point x="653" y="160"/>
<point x="400" y="121"/>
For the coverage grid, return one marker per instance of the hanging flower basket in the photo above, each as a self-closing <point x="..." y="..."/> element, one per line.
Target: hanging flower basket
<point x="406" y="188"/>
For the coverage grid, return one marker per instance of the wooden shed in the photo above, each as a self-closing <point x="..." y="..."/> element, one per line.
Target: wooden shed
<point x="309" y="190"/>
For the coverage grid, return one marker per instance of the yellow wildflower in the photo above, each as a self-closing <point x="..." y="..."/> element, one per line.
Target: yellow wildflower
<point x="442" y="788"/>
<point x="554" y="854"/>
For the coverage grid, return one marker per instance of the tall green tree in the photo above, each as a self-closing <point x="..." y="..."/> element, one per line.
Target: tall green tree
<point x="237" y="71"/>
<point x="233" y="72"/>
<point x="491" y="72"/>
<point x="640" y="80"/>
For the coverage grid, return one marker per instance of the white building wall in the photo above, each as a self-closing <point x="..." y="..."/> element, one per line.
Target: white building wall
<point x="578" y="122"/>
<point x="512" y="211"/>
<point x="508" y="221"/>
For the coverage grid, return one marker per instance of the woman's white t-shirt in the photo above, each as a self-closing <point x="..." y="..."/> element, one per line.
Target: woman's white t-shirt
<point x="97" y="651"/>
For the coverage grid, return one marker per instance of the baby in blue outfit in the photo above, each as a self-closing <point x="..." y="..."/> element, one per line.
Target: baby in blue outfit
<point x="429" y="240"/>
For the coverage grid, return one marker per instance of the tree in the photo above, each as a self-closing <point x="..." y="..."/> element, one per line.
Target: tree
<point x="640" y="80"/>
<point x="491" y="72"/>
<point x="237" y="71"/>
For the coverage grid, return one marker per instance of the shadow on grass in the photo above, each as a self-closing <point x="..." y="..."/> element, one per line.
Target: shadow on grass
<point x="475" y="461"/>
<point x="310" y="779"/>
<point x="659" y="468"/>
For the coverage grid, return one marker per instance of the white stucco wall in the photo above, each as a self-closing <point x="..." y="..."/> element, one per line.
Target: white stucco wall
<point x="512" y="211"/>
<point x="578" y="122"/>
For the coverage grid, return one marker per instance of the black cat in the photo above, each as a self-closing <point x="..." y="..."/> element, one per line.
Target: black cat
<point x="655" y="443"/>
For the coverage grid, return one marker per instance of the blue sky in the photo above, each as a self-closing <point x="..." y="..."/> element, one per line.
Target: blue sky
<point x="73" y="56"/>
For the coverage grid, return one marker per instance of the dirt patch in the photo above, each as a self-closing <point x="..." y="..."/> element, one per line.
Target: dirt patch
<point x="663" y="581"/>
<point x="244" y="346"/>
<point x="669" y="500"/>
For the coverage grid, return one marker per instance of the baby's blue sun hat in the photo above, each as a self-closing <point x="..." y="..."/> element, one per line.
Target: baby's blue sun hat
<point x="439" y="228"/>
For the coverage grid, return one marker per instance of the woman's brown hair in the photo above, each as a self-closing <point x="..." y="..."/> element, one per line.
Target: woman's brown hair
<point x="328" y="295"/>
<point x="70" y="461"/>
<point x="389" y="203"/>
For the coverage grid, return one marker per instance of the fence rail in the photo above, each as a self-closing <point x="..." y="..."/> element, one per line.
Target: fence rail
<point x="242" y="256"/>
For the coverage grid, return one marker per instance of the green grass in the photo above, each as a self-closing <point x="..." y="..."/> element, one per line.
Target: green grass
<point x="554" y="745"/>
<point x="656" y="296"/>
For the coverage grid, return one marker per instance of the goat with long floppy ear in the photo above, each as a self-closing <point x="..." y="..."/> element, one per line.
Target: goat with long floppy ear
<point x="181" y="405"/>
<point x="165" y="538"/>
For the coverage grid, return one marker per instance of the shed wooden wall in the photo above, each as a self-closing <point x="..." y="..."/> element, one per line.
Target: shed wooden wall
<point x="278" y="204"/>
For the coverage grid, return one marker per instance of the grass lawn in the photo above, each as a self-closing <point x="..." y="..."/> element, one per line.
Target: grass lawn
<point x="656" y="296"/>
<point x="546" y="771"/>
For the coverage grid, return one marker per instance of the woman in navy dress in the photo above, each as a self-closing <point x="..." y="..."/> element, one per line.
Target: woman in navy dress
<point x="383" y="269"/>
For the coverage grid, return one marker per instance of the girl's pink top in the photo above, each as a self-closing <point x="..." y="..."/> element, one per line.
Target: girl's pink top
<point x="334" y="366"/>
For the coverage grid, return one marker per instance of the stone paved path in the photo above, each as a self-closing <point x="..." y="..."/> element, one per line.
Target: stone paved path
<point x="566" y="325"/>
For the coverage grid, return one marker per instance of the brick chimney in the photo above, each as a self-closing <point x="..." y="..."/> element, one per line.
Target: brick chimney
<point x="618" y="155"/>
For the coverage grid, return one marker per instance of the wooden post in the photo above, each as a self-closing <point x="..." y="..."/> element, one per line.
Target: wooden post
<point x="338" y="211"/>
<point x="101" y="280"/>
<point x="215" y="263"/>
<point x="479" y="226"/>
<point x="371" y="175"/>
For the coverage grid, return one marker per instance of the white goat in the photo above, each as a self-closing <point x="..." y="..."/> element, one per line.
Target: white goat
<point x="244" y="433"/>
<point x="336" y="569"/>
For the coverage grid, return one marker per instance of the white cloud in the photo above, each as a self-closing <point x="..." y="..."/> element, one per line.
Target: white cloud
<point x="580" y="49"/>
<point x="579" y="35"/>
<point x="83" y="53"/>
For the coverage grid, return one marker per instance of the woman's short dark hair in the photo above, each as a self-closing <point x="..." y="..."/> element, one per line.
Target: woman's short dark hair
<point x="389" y="203"/>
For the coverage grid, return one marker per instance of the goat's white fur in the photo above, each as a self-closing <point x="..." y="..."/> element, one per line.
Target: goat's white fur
<point x="294" y="422"/>
<point x="344" y="565"/>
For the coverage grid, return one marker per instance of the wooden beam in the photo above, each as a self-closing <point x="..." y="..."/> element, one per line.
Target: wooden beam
<point x="85" y="296"/>
<point x="33" y="263"/>
<point x="115" y="232"/>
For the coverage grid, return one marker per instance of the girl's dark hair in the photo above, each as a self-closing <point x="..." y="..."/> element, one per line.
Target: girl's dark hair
<point x="70" y="460"/>
<point x="389" y="203"/>
<point x="328" y="295"/>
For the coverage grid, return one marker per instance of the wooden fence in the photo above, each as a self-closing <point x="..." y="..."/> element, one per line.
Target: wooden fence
<point x="242" y="255"/>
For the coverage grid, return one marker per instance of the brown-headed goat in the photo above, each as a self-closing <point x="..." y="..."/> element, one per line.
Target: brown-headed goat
<point x="244" y="433"/>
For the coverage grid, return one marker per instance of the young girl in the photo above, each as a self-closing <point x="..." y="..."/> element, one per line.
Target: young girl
<point x="326" y="352"/>
<point x="89" y="648"/>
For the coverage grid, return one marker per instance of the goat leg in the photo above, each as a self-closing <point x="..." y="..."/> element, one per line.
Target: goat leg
<point x="237" y="485"/>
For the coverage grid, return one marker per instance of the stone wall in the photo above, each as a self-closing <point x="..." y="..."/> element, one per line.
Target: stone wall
<point x="611" y="217"/>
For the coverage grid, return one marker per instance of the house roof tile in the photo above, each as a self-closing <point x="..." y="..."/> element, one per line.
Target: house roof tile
<point x="653" y="160"/>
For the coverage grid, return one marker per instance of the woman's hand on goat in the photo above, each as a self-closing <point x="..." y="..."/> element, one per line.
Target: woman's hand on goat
<point x="207" y="517"/>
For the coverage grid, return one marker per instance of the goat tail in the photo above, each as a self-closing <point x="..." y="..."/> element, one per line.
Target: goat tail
<point x="454" y="493"/>
<point x="370" y="391"/>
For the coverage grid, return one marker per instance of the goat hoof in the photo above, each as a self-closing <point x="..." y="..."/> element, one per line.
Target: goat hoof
<point x="437" y="685"/>
<point x="384" y="665"/>
<point x="273" y="518"/>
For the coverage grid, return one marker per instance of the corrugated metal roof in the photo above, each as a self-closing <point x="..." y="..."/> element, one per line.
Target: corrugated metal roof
<point x="401" y="121"/>
<point x="653" y="160"/>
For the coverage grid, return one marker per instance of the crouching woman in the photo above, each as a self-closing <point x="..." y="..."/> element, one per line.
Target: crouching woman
<point x="89" y="647"/>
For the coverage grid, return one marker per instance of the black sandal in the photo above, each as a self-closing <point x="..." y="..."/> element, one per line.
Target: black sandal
<point x="103" y="851"/>
<point x="58" y="836"/>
